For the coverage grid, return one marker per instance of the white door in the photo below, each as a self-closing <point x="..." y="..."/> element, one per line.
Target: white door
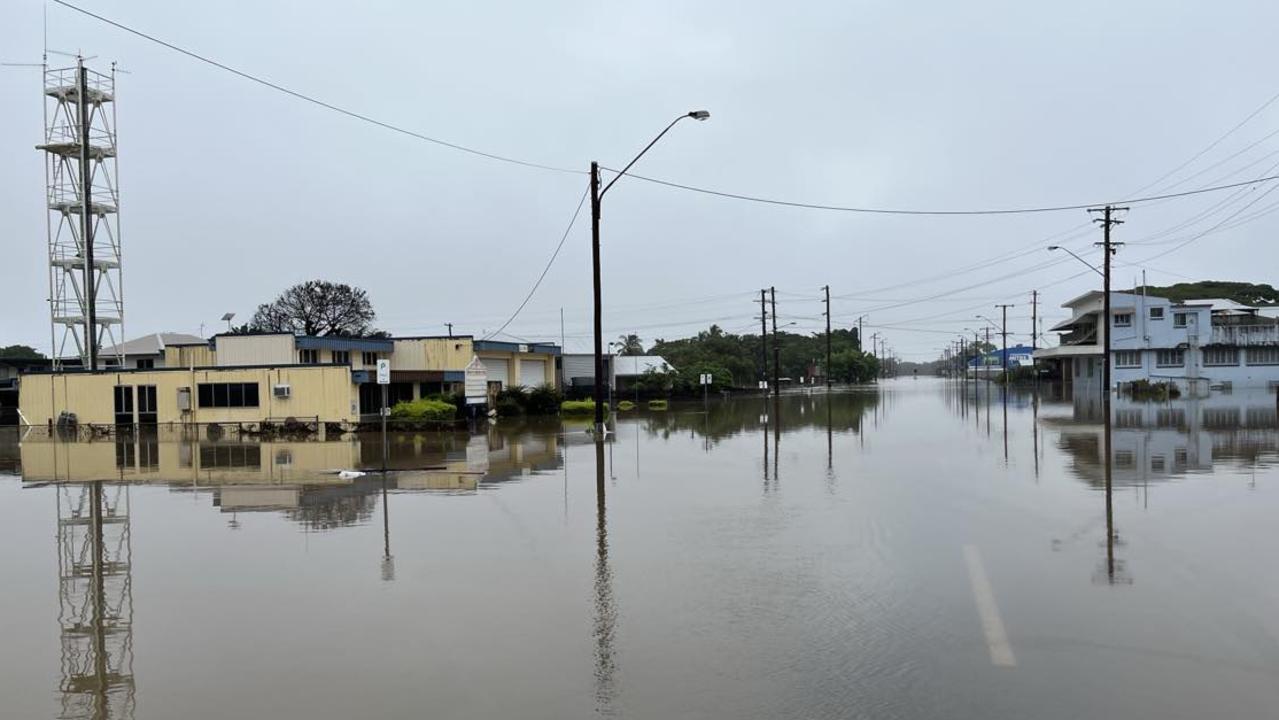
<point x="532" y="373"/>
<point x="498" y="371"/>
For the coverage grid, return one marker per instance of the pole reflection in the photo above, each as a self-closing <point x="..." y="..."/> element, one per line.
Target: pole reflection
<point x="388" y="560"/>
<point x="605" y="622"/>
<point x="95" y="594"/>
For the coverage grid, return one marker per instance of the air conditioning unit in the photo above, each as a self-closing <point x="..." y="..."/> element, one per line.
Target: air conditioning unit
<point x="282" y="391"/>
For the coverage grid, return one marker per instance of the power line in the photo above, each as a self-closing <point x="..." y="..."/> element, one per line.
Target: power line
<point x="316" y="101"/>
<point x="906" y="211"/>
<point x="667" y="183"/>
<point x="546" y="269"/>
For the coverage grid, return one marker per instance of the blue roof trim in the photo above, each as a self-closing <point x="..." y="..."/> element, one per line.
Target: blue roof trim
<point x="341" y="343"/>
<point x="495" y="346"/>
<point x="454" y="376"/>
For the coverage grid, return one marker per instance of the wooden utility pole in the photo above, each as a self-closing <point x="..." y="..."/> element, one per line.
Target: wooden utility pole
<point x="763" y="336"/>
<point x="1034" y="321"/>
<point x="1107" y="220"/>
<point x="597" y="393"/>
<point x="777" y="348"/>
<point x="827" y="313"/>
<point x="1003" y="331"/>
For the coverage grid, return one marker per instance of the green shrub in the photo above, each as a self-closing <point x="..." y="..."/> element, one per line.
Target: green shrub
<point x="423" y="411"/>
<point x="1145" y="390"/>
<point x="656" y="404"/>
<point x="626" y="405"/>
<point x="543" y="400"/>
<point x="577" y="407"/>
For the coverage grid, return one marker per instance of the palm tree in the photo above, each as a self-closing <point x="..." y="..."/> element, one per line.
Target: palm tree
<point x="630" y="345"/>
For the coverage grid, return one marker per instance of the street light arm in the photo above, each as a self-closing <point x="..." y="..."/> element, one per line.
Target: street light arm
<point x="646" y="149"/>
<point x="1085" y="262"/>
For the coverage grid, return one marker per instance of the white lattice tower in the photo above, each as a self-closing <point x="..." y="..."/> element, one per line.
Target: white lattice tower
<point x="80" y="177"/>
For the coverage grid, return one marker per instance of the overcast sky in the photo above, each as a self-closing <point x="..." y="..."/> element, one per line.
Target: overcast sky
<point x="231" y="192"/>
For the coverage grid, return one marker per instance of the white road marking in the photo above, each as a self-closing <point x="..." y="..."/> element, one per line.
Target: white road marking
<point x="1001" y="653"/>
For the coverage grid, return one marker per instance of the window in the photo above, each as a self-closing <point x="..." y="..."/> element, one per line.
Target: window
<point x="370" y="358"/>
<point x="146" y="363"/>
<point x="221" y="395"/>
<point x="1221" y="356"/>
<point x="1180" y="458"/>
<point x="341" y="357"/>
<point x="1123" y="319"/>
<point x="309" y="357"/>
<point x="1179" y="319"/>
<point x="1127" y="358"/>
<point x="1156" y="313"/>
<point x="1170" y="358"/>
<point x="1124" y="459"/>
<point x="1158" y="463"/>
<point x="230" y="456"/>
<point x="1263" y="356"/>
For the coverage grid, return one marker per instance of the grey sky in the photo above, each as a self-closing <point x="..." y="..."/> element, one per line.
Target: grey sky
<point x="231" y="192"/>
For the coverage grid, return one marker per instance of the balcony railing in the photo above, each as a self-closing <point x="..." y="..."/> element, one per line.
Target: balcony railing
<point x="1245" y="334"/>
<point x="1080" y="336"/>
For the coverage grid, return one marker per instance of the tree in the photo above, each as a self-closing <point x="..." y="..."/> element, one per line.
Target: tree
<point x="318" y="307"/>
<point x="20" y="352"/>
<point x="630" y="345"/>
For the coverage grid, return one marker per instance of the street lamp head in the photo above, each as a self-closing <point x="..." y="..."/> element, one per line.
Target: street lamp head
<point x="1054" y="247"/>
<point x="700" y="114"/>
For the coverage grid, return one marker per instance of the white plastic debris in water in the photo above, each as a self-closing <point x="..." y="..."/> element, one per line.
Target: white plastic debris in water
<point x="350" y="474"/>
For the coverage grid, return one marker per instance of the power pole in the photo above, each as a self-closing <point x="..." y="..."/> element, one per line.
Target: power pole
<point x="86" y="217"/>
<point x="1003" y="330"/>
<point x="1107" y="220"/>
<point x="763" y="336"/>
<point x="598" y="390"/>
<point x="1034" y="321"/>
<point x="777" y="347"/>
<point x="450" y="325"/>
<point x="861" y="334"/>
<point x="874" y="348"/>
<point x="828" y="368"/>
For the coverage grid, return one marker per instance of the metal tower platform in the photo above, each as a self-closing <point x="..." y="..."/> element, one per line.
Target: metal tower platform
<point x="86" y="287"/>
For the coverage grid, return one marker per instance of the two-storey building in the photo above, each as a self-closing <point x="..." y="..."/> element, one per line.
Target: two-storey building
<point x="1195" y="344"/>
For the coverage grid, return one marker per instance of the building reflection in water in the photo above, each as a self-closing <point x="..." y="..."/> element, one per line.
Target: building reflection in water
<point x="301" y="479"/>
<point x="95" y="595"/>
<point x="1153" y="442"/>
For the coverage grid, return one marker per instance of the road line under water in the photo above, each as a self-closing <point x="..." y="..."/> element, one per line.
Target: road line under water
<point x="1001" y="652"/>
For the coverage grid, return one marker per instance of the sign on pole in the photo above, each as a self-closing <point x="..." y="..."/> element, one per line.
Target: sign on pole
<point x="705" y="379"/>
<point x="383" y="372"/>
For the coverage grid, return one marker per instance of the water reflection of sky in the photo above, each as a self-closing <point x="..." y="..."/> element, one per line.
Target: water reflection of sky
<point x="525" y="571"/>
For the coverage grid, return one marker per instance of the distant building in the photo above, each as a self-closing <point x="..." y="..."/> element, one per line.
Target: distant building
<point x="627" y="369"/>
<point x="148" y="351"/>
<point x="1196" y="344"/>
<point x="993" y="362"/>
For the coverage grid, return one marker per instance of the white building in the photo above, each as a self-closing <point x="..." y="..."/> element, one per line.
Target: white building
<point x="148" y="351"/>
<point x="1196" y="344"/>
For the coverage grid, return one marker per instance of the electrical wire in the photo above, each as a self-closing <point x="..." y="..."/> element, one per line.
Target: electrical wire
<point x="316" y="101"/>
<point x="667" y="183"/>
<point x="546" y="269"/>
<point x="915" y="211"/>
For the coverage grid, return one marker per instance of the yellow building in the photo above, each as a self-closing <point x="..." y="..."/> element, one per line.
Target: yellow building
<point x="192" y="395"/>
<point x="252" y="378"/>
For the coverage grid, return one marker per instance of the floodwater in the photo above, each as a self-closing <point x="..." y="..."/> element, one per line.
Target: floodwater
<point x="924" y="550"/>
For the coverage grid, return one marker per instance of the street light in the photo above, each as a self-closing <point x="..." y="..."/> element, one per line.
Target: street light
<point x="1085" y="262"/>
<point x="596" y="196"/>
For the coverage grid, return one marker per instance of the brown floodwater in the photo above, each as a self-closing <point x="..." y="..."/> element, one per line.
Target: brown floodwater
<point x="926" y="549"/>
